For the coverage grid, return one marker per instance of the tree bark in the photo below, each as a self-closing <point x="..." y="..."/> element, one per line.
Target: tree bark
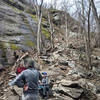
<point x="67" y="31"/>
<point x="89" y="39"/>
<point x="39" y="16"/>
<point x="51" y="30"/>
<point x="94" y="10"/>
<point x="39" y="34"/>
<point x="87" y="35"/>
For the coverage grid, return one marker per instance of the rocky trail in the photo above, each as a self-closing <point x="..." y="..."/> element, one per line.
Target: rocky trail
<point x="66" y="65"/>
<point x="71" y="81"/>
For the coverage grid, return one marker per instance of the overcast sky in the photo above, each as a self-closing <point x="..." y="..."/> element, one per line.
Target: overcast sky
<point x="97" y="2"/>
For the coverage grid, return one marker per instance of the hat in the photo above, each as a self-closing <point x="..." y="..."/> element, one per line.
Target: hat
<point x="44" y="73"/>
<point x="29" y="62"/>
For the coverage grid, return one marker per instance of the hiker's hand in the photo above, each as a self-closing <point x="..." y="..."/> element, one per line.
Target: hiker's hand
<point x="40" y="82"/>
<point x="10" y="84"/>
<point x="25" y="87"/>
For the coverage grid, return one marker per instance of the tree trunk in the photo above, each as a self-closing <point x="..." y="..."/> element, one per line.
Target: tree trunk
<point x="67" y="31"/>
<point x="38" y="9"/>
<point x="51" y="30"/>
<point x="39" y="16"/>
<point x="87" y="35"/>
<point x="94" y="10"/>
<point x="89" y="40"/>
<point x="39" y="34"/>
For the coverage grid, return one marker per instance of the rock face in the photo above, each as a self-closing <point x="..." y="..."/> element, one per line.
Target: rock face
<point x="13" y="97"/>
<point x="18" y="25"/>
<point x="13" y="28"/>
<point x="69" y="88"/>
<point x="59" y="19"/>
<point x="15" y="32"/>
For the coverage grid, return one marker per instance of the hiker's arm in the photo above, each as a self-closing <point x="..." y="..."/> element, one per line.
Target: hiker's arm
<point x="18" y="81"/>
<point x="40" y="76"/>
<point x="46" y="80"/>
<point x="20" y="84"/>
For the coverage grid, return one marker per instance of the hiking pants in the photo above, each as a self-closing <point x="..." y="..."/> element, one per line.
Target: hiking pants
<point x="45" y="88"/>
<point x="30" y="96"/>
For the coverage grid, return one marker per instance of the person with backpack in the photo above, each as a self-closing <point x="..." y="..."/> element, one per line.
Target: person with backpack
<point x="28" y="80"/>
<point x="44" y="87"/>
<point x="20" y="69"/>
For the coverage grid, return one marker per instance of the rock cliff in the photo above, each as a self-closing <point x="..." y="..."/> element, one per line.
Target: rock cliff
<point x="18" y="26"/>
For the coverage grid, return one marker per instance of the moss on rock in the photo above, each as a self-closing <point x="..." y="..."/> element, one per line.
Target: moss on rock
<point x="14" y="47"/>
<point x="45" y="32"/>
<point x="30" y="43"/>
<point x="33" y="17"/>
<point x="3" y="53"/>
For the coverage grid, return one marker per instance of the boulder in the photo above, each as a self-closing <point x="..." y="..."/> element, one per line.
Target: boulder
<point x="60" y="97"/>
<point x="13" y="98"/>
<point x="56" y="55"/>
<point x="63" y="67"/>
<point x="60" y="77"/>
<point x="71" y="64"/>
<point x="18" y="91"/>
<point x="72" y="92"/>
<point x="10" y="56"/>
<point x="69" y="88"/>
<point x="1" y="66"/>
<point x="64" y="63"/>
<point x="98" y="89"/>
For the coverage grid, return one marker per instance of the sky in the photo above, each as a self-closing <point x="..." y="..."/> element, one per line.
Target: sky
<point x="72" y="2"/>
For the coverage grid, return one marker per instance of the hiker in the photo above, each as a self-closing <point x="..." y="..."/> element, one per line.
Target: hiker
<point x="28" y="80"/>
<point x="44" y="87"/>
<point x="20" y="69"/>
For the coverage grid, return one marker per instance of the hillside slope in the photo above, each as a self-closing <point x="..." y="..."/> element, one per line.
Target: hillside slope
<point x="18" y="27"/>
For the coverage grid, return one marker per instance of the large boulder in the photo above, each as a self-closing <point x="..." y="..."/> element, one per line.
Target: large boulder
<point x="1" y="66"/>
<point x="13" y="98"/>
<point x="10" y="56"/>
<point x="69" y="88"/>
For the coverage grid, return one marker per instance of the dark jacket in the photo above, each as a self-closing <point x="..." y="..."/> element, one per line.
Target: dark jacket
<point x="29" y="77"/>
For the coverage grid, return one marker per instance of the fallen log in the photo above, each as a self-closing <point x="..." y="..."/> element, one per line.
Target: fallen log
<point x="19" y="59"/>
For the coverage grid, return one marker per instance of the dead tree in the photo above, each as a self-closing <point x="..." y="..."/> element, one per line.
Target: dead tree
<point x="55" y="4"/>
<point x="51" y="29"/>
<point x="65" y="8"/>
<point x="38" y="9"/>
<point x="89" y="39"/>
<point x="87" y="34"/>
<point x="95" y="14"/>
<point x="67" y="30"/>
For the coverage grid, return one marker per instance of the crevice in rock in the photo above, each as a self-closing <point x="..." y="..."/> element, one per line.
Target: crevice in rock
<point x="14" y="4"/>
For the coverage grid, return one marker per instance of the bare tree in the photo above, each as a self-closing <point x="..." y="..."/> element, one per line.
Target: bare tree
<point x="38" y="9"/>
<point x="65" y="8"/>
<point x="39" y="26"/>
<point x="87" y="34"/>
<point x="67" y="30"/>
<point x="89" y="39"/>
<point x="94" y="10"/>
<point x="51" y="29"/>
<point x="55" y="4"/>
<point x="84" y="12"/>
